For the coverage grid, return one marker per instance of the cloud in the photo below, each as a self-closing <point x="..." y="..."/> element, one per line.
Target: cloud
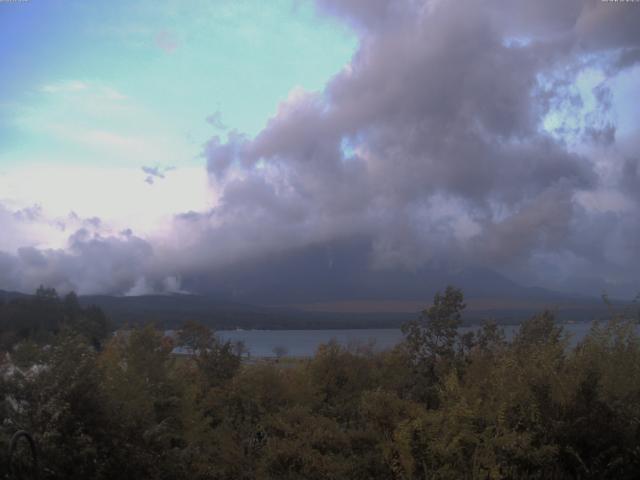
<point x="215" y="119"/>
<point x="85" y="90"/>
<point x="90" y="263"/>
<point x="460" y="134"/>
<point x="92" y="122"/>
<point x="154" y="173"/>
<point x="432" y="141"/>
<point x="166" y="41"/>
<point x="65" y="87"/>
<point x="115" y="195"/>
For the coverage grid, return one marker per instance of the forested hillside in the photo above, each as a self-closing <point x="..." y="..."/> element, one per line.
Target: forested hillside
<point x="31" y="319"/>
<point x="440" y="405"/>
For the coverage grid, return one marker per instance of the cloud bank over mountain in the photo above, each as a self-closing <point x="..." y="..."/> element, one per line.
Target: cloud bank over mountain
<point x="461" y="134"/>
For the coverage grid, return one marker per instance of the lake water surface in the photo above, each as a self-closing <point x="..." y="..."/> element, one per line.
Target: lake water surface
<point x="304" y="343"/>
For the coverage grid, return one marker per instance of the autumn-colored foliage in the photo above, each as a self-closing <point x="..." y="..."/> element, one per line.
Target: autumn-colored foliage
<point x="439" y="406"/>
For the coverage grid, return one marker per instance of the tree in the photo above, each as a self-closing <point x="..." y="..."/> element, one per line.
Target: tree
<point x="430" y="343"/>
<point x="195" y="337"/>
<point x="143" y="397"/>
<point x="45" y="294"/>
<point x="540" y="329"/>
<point x="434" y="334"/>
<point x="217" y="361"/>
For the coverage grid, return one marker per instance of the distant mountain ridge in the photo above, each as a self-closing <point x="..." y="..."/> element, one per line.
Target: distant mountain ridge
<point x="6" y="296"/>
<point x="344" y="271"/>
<point x="336" y="285"/>
<point x="487" y="293"/>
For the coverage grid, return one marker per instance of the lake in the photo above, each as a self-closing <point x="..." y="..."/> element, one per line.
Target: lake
<point x="304" y="343"/>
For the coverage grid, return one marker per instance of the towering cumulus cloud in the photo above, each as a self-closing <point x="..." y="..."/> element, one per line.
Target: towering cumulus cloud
<point x="438" y="142"/>
<point x="460" y="133"/>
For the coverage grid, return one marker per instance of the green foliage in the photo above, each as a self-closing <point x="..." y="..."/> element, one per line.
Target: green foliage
<point x="435" y="334"/>
<point x="432" y="343"/>
<point x="38" y="319"/>
<point x="440" y="406"/>
<point x="217" y="361"/>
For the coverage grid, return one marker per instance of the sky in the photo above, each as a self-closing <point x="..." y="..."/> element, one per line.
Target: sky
<point x="147" y="146"/>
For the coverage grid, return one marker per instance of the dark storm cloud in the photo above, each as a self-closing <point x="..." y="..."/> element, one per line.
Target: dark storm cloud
<point x="430" y="141"/>
<point x="628" y="58"/>
<point x="631" y="176"/>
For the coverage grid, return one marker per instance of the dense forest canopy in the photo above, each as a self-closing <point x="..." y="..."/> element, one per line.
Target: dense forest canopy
<point x="440" y="405"/>
<point x="41" y="317"/>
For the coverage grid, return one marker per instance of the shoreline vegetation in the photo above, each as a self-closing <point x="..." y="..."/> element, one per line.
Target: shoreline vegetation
<point x="444" y="403"/>
<point x="170" y="311"/>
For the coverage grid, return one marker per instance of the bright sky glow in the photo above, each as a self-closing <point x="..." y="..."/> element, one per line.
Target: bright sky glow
<point x="96" y="91"/>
